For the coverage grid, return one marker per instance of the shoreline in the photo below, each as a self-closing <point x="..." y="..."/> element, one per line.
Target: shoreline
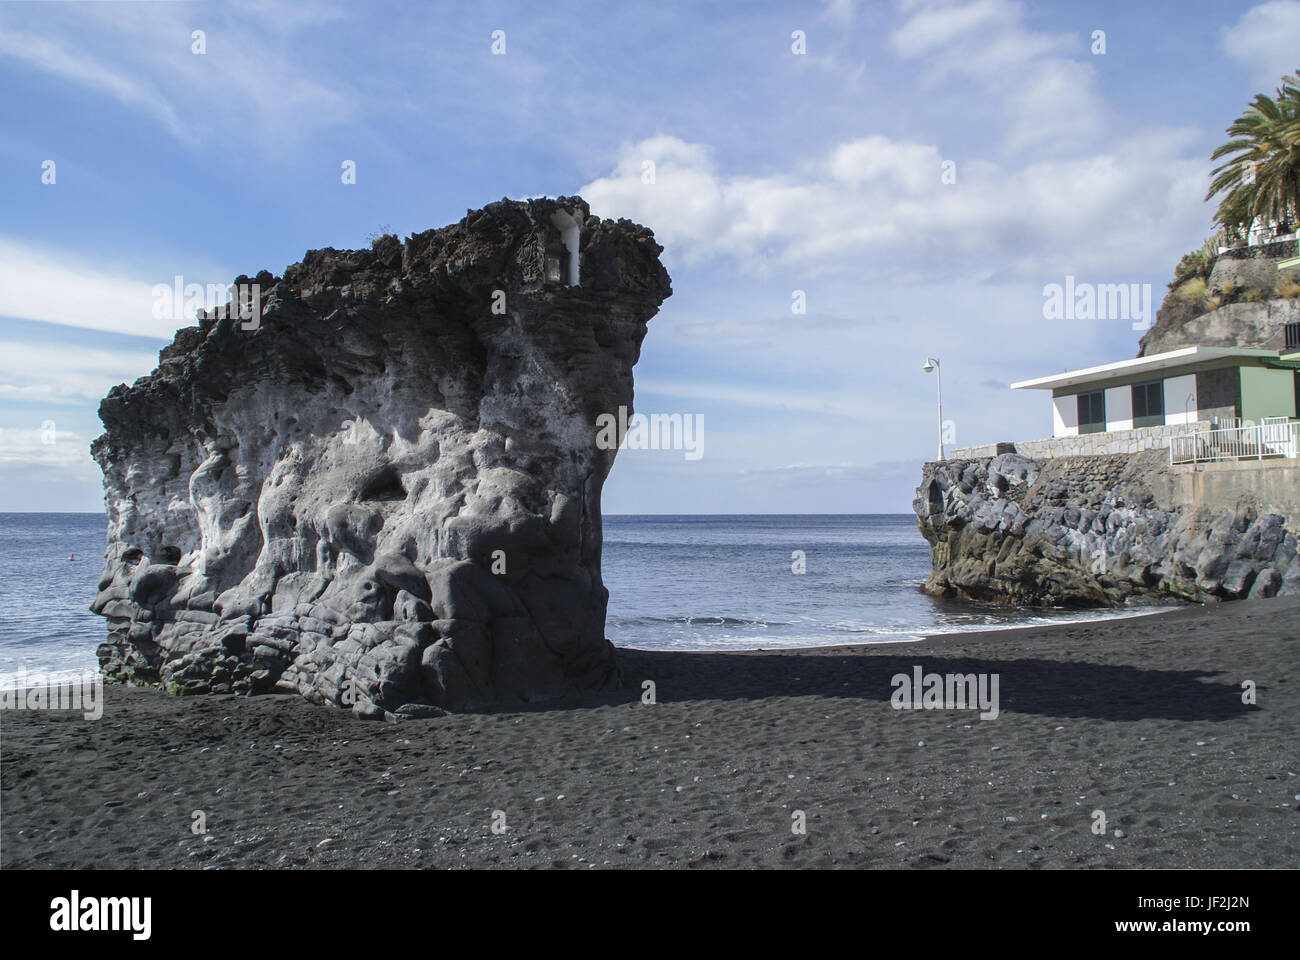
<point x="839" y="647"/>
<point x="1138" y="717"/>
<point x="1103" y="615"/>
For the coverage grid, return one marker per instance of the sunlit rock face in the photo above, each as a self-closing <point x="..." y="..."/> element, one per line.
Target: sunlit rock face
<point x="1247" y="310"/>
<point x="1100" y="531"/>
<point x="384" y="492"/>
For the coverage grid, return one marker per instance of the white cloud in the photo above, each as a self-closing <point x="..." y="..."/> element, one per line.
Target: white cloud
<point x="860" y="407"/>
<point x="44" y="446"/>
<point x="1074" y="187"/>
<point x="1059" y="107"/>
<point x="909" y="166"/>
<point x="1106" y="210"/>
<point x="79" y="67"/>
<point x="988" y="35"/>
<point x="247" y="83"/>
<point x="1047" y="98"/>
<point x="935" y="26"/>
<point x="56" y="287"/>
<point x="55" y="373"/>
<point x="1266" y="40"/>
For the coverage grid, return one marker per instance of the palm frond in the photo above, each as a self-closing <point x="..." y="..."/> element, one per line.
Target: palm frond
<point x="1260" y="178"/>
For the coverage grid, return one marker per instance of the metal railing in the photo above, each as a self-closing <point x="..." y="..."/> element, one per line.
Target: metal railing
<point x="1264" y="232"/>
<point x="1293" y="336"/>
<point x="1274" y="437"/>
<point x="1263" y="235"/>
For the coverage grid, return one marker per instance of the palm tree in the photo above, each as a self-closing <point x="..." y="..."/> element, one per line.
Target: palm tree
<point x="1262" y="180"/>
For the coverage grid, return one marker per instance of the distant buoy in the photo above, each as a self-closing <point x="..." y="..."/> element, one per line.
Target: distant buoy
<point x="72" y="556"/>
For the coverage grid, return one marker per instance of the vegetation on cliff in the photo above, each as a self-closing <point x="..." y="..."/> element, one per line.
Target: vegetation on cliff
<point x="1259" y="187"/>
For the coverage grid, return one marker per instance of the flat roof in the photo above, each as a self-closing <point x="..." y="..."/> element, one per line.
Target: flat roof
<point x="1159" y="361"/>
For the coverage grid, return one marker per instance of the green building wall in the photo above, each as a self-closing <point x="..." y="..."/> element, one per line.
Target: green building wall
<point x="1267" y="392"/>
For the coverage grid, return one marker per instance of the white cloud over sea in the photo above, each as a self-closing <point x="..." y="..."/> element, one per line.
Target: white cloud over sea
<point x="57" y="374"/>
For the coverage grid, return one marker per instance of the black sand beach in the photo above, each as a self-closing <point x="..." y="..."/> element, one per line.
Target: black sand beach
<point x="1141" y="718"/>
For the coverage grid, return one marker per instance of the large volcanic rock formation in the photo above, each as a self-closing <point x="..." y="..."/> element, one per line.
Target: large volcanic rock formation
<point x="384" y="493"/>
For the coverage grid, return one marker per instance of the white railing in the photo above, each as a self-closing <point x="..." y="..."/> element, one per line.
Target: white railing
<point x="1274" y="437"/>
<point x="1263" y="234"/>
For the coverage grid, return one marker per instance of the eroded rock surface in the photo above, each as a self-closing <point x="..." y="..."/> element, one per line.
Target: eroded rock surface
<point x="387" y="495"/>
<point x="1093" y="531"/>
<point x="1229" y="320"/>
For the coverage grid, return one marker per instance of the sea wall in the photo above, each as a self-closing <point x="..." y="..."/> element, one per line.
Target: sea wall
<point x="383" y="491"/>
<point x="1270" y="486"/>
<point x="1108" y="530"/>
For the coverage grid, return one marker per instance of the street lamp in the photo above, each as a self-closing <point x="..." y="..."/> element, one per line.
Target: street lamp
<point x="932" y="366"/>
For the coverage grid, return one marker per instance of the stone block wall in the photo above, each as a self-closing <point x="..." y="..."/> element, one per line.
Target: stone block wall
<point x="1084" y="445"/>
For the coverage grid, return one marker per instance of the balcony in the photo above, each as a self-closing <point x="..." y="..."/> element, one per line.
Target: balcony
<point x="1292" y="336"/>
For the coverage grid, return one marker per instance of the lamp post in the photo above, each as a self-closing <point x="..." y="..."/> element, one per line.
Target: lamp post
<point x="932" y="365"/>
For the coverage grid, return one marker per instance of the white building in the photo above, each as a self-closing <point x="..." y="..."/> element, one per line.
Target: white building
<point x="1218" y="385"/>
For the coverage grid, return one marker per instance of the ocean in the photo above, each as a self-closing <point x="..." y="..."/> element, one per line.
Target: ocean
<point x="675" y="583"/>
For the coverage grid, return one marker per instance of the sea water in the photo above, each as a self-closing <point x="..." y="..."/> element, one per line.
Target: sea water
<point x="675" y="583"/>
<point x="730" y="583"/>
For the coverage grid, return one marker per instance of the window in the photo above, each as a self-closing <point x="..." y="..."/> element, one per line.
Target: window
<point x="1149" y="404"/>
<point x="1092" y="412"/>
<point x="555" y="254"/>
<point x="563" y="239"/>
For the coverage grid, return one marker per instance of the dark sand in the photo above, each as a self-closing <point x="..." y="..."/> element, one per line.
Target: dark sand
<point x="1141" y="718"/>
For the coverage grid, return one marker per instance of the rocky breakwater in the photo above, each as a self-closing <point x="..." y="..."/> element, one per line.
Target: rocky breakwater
<point x="383" y="493"/>
<point x="1093" y="531"/>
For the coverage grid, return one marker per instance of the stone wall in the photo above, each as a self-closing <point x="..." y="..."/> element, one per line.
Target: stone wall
<point x="1083" y="445"/>
<point x="1218" y="393"/>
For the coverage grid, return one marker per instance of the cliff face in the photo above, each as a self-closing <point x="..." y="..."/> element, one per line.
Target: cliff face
<point x="387" y="495"/>
<point x="1242" y="303"/>
<point x="1095" y="531"/>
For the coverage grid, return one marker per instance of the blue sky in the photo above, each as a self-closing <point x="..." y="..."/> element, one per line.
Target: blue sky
<point x="774" y="172"/>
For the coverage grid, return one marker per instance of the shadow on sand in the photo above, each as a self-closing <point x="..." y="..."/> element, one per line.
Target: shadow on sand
<point x="1056" y="688"/>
